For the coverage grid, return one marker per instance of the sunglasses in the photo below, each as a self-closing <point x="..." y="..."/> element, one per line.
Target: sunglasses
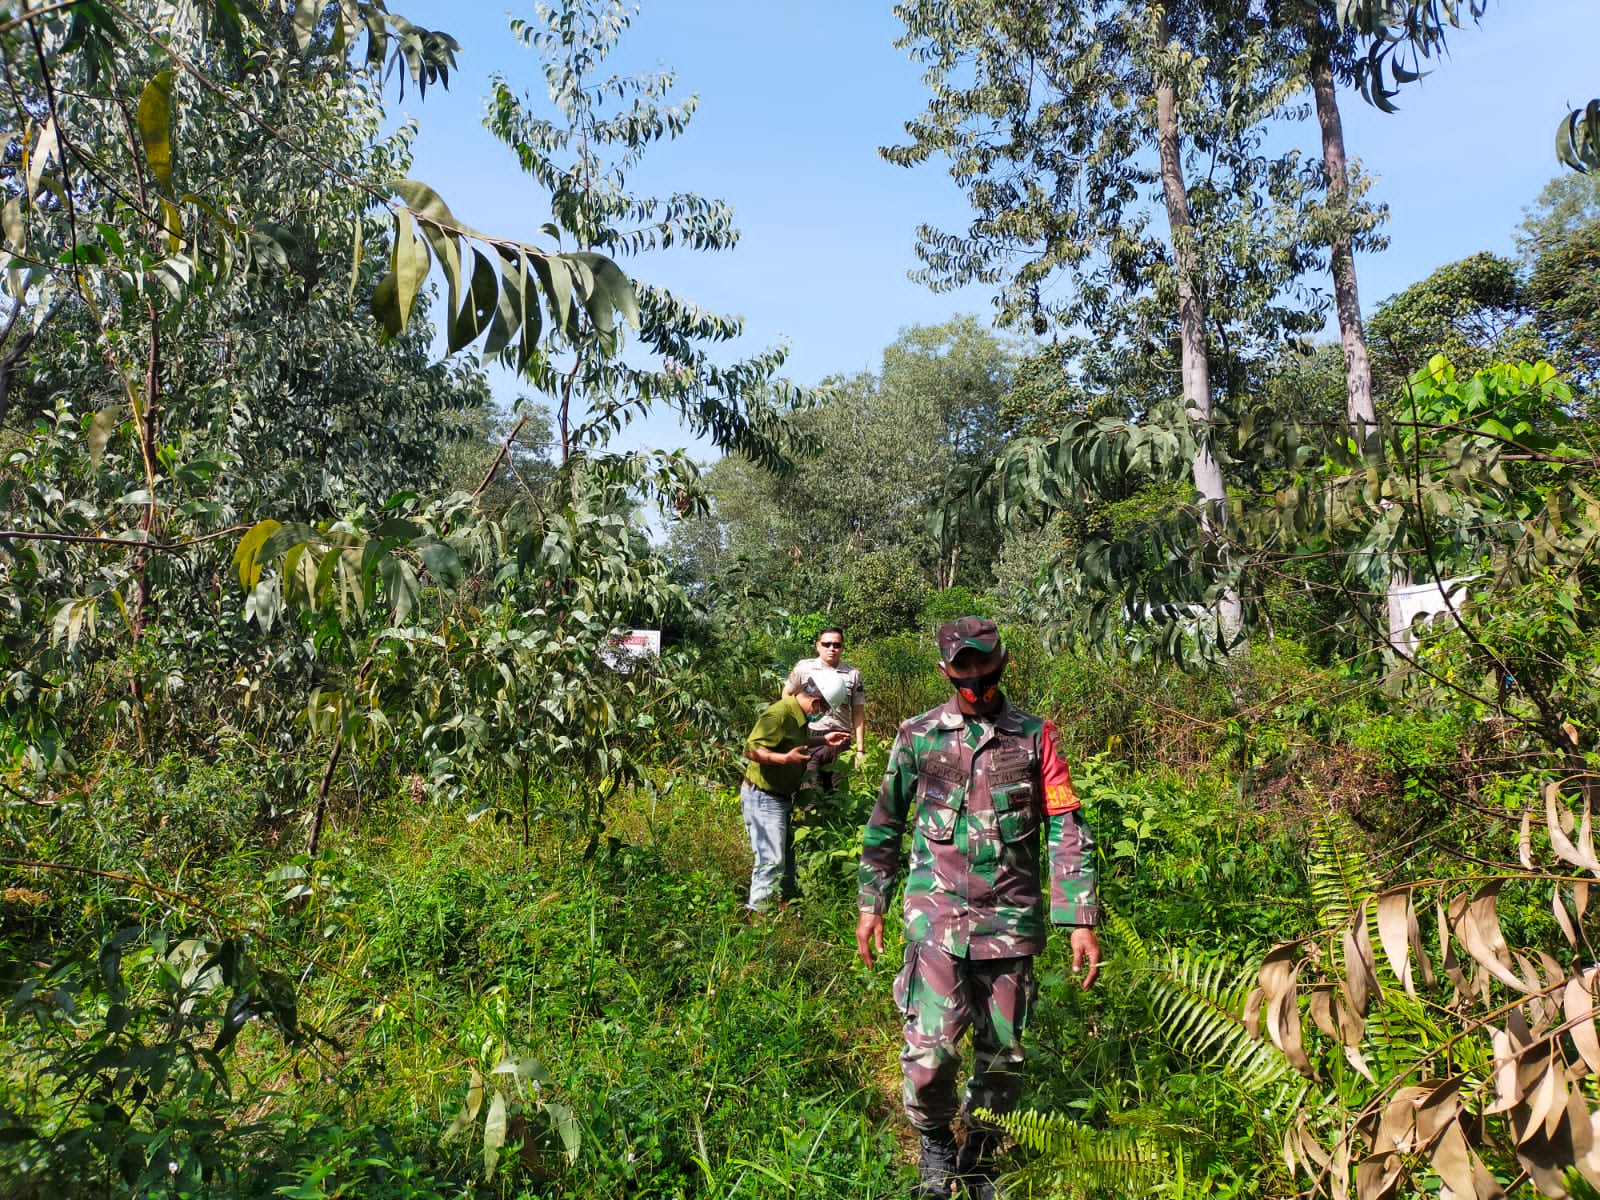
<point x="831" y="645"/>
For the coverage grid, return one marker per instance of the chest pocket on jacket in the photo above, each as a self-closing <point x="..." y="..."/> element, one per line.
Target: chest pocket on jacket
<point x="1012" y="779"/>
<point x="940" y="796"/>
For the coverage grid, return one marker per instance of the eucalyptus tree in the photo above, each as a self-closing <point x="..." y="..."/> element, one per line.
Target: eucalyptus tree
<point x="1114" y="154"/>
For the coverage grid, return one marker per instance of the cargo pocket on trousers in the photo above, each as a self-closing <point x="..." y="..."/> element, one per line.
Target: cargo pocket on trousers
<point x="905" y="983"/>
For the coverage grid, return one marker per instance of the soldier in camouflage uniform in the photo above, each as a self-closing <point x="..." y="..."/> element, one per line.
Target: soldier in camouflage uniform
<point x="977" y="780"/>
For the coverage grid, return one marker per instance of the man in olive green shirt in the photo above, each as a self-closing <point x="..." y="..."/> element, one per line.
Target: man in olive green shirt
<point x="778" y="749"/>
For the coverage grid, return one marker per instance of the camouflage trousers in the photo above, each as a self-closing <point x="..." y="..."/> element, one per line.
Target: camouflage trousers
<point x="942" y="997"/>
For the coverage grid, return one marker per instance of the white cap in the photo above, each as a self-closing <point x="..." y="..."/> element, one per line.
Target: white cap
<point x="833" y="687"/>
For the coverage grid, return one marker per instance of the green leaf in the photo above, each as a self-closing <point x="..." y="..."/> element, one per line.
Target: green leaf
<point x="11" y="221"/>
<point x="355" y="261"/>
<point x="442" y="563"/>
<point x="508" y="308"/>
<point x="439" y="226"/>
<point x="494" y="1134"/>
<point x="410" y="264"/>
<point x="476" y="308"/>
<point x="400" y="586"/>
<point x="610" y="291"/>
<point x="155" y="127"/>
<point x="247" y="555"/>
<point x="566" y="1129"/>
<point x="555" y="275"/>
<point x="386" y="305"/>
<point x="427" y="204"/>
<point x="469" y="1109"/>
<point x="106" y="422"/>
<point x="305" y="22"/>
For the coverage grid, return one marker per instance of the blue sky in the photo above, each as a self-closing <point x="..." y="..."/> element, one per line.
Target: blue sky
<point x="795" y="99"/>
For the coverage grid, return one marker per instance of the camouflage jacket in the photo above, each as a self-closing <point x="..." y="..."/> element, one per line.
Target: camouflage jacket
<point x="979" y="791"/>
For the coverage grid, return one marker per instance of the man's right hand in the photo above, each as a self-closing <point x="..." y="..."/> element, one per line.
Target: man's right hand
<point x="869" y="937"/>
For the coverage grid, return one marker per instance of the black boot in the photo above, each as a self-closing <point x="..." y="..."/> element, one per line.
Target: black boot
<point x="975" y="1165"/>
<point x="936" y="1169"/>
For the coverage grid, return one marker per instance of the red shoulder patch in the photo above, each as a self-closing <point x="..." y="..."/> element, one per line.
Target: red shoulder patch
<point x="1059" y="794"/>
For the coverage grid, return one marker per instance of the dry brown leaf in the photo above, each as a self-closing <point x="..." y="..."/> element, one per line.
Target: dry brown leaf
<point x="1311" y="1149"/>
<point x="1578" y="1004"/>
<point x="1480" y="933"/>
<point x="1486" y="1186"/>
<point x="1352" y="1028"/>
<point x="1586" y="832"/>
<point x="1452" y="965"/>
<point x="1525" y="841"/>
<point x="1548" y="1099"/>
<point x="1571" y="730"/>
<point x="1507" y="1081"/>
<point x="1558" y="821"/>
<point x="1588" y="1162"/>
<point x="1377" y="1177"/>
<point x="1251" y="1017"/>
<point x="1517" y="1026"/>
<point x="1551" y="1150"/>
<point x="1580" y="1127"/>
<point x="1397" y="1130"/>
<point x="1437" y="1110"/>
<point x="1552" y="968"/>
<point x="1322" y="1009"/>
<point x="1529" y="971"/>
<point x="1452" y="1160"/>
<point x="1396" y="916"/>
<point x="1563" y="918"/>
<point x="1580" y="899"/>
<point x="1279" y="1006"/>
<point x="1283" y="1027"/>
<point x="1360" y="982"/>
<point x="1339" y="1168"/>
<point x="1356" y="1059"/>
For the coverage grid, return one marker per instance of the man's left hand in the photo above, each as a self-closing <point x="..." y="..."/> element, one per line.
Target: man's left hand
<point x="1086" y="946"/>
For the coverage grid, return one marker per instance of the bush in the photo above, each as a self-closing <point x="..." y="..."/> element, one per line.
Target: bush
<point x="883" y="592"/>
<point x="949" y="604"/>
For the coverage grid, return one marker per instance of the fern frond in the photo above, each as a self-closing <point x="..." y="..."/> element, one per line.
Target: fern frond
<point x="1127" y="936"/>
<point x="1076" y="1161"/>
<point x="1198" y="1002"/>
<point x="1341" y="874"/>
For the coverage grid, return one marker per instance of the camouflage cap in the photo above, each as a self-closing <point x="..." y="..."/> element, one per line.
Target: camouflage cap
<point x="969" y="633"/>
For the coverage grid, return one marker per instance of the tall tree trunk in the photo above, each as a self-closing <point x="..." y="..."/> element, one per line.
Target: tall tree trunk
<point x="1359" y="412"/>
<point x="1191" y="320"/>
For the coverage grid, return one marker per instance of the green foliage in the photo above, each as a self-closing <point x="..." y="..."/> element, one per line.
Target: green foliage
<point x="946" y="604"/>
<point x="882" y="591"/>
<point x="581" y="157"/>
<point x="1400" y="37"/>
<point x="887" y="448"/>
<point x="1564" y="290"/>
<point x="1473" y="312"/>
<point x="118" y="1086"/>
<point x="902" y="678"/>
<point x="1578" y="138"/>
<point x="1078" y="1162"/>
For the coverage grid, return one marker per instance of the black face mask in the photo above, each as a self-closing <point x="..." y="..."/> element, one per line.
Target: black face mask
<point x="978" y="690"/>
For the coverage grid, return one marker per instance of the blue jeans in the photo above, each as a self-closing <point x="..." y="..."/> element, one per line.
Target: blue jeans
<point x="767" y="821"/>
